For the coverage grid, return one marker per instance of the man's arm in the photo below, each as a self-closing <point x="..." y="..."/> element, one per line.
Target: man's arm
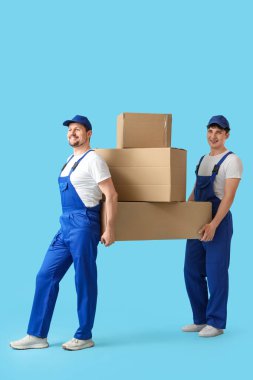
<point x="111" y="199"/>
<point x="191" y="197"/>
<point x="231" y="185"/>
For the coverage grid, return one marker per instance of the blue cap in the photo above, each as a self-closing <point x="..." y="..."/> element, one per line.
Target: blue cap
<point x="220" y="120"/>
<point x="81" y="120"/>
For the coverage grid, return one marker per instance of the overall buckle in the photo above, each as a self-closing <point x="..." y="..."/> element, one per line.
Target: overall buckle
<point x="75" y="165"/>
<point x="216" y="169"/>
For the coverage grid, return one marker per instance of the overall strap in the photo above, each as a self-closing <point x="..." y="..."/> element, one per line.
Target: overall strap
<point x="67" y="163"/>
<point x="217" y="166"/>
<point x="197" y="167"/>
<point x="80" y="159"/>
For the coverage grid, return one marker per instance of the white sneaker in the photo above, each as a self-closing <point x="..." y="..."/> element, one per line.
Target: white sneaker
<point x="78" y="344"/>
<point x="210" y="331"/>
<point x="192" y="328"/>
<point x="29" y="341"/>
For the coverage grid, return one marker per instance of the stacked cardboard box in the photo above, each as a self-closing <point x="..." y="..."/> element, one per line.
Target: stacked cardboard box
<point x="147" y="174"/>
<point x="150" y="178"/>
<point x="142" y="130"/>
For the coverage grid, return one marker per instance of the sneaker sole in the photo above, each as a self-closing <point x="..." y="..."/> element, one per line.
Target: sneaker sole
<point x="78" y="348"/>
<point x="211" y="336"/>
<point x="29" y="348"/>
<point x="196" y="330"/>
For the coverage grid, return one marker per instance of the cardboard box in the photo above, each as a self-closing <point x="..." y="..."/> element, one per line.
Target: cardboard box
<point x="157" y="221"/>
<point x="147" y="174"/>
<point x="143" y="130"/>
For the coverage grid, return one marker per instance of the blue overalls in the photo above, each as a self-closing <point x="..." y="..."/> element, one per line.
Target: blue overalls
<point x="76" y="242"/>
<point x="209" y="260"/>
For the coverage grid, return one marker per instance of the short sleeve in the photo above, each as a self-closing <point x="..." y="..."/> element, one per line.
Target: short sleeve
<point x="234" y="167"/>
<point x="98" y="169"/>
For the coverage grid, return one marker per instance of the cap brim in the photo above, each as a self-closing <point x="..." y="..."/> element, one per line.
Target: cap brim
<point x="67" y="122"/>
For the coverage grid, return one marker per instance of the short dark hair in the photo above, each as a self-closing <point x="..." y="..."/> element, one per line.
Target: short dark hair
<point x="219" y="127"/>
<point x="86" y="128"/>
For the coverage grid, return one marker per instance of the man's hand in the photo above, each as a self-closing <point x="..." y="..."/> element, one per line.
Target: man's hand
<point x="207" y="232"/>
<point x="108" y="237"/>
<point x="111" y="198"/>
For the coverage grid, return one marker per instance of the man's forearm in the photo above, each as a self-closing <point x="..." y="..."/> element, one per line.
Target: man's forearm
<point x="222" y="210"/>
<point x="111" y="203"/>
<point x="191" y="197"/>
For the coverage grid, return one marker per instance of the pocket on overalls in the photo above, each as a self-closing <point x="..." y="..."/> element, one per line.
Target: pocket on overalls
<point x="63" y="186"/>
<point x="81" y="219"/>
<point x="94" y="217"/>
<point x="55" y="238"/>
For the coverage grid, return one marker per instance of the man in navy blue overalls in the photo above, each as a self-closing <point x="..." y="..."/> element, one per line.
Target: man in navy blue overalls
<point x="207" y="260"/>
<point x="82" y="181"/>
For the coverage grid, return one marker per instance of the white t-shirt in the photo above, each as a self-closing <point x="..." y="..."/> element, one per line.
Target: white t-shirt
<point x="91" y="170"/>
<point x="230" y="168"/>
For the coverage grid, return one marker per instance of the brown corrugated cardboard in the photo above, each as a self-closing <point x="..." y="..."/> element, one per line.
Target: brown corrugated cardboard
<point x="147" y="174"/>
<point x="143" y="130"/>
<point x="157" y="221"/>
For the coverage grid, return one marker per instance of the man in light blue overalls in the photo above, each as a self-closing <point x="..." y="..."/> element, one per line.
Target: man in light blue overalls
<point x="207" y="260"/>
<point x="82" y="181"/>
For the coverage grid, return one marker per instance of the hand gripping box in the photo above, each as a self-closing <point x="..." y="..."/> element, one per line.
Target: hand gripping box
<point x="157" y="221"/>
<point x="143" y="130"/>
<point x="147" y="174"/>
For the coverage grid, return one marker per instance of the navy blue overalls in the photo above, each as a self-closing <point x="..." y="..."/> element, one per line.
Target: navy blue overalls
<point x="76" y="242"/>
<point x="209" y="260"/>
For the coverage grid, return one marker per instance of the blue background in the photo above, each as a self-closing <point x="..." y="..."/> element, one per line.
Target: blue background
<point x="60" y="58"/>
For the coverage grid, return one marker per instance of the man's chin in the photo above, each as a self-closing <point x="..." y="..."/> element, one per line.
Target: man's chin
<point x="74" y="144"/>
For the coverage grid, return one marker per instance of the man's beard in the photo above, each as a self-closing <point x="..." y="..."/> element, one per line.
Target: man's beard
<point x="76" y="143"/>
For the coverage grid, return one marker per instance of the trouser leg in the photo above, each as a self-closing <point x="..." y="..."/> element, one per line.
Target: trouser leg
<point x="217" y="264"/>
<point x="195" y="279"/>
<point x="56" y="263"/>
<point x="84" y="253"/>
